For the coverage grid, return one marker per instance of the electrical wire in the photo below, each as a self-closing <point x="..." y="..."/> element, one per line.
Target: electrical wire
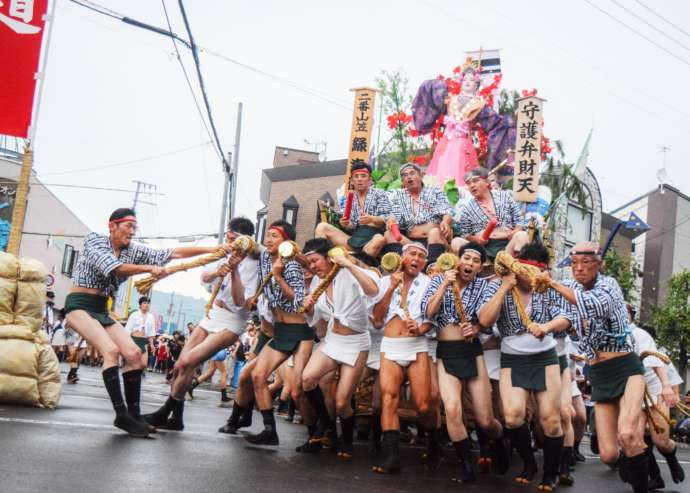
<point x="616" y="19"/>
<point x="184" y="71"/>
<point x="294" y="85"/>
<point x="663" y="18"/>
<point x="200" y="77"/>
<point x="646" y="22"/>
<point x="128" y="162"/>
<point x="85" y="187"/>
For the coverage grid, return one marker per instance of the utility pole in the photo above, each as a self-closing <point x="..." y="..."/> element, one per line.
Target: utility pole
<point x="142" y="187"/>
<point x="170" y="311"/>
<point x="235" y="161"/>
<point x="224" y="202"/>
<point x="230" y="180"/>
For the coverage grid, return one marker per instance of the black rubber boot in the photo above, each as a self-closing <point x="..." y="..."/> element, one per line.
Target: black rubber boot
<point x="501" y="453"/>
<point x="594" y="444"/>
<point x="376" y="433"/>
<point x="190" y="390"/>
<point x="434" y="454"/>
<point x="159" y="417"/>
<point x="638" y="472"/>
<point x="564" y="476"/>
<point x="347" y="426"/>
<point x="132" y="384"/>
<point x="232" y="425"/>
<point x="577" y="455"/>
<point x="123" y="420"/>
<point x="553" y="450"/>
<point x="656" y="482"/>
<point x="465" y="471"/>
<point x="224" y="395"/>
<point x="310" y="447"/>
<point x="391" y="453"/>
<point x="246" y="416"/>
<point x="677" y="473"/>
<point x="175" y="422"/>
<point x="268" y="436"/>
<point x="522" y="442"/>
<point x="485" y="461"/>
<point x="315" y="398"/>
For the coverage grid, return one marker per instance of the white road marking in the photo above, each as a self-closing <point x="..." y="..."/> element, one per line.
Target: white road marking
<point x="73" y="424"/>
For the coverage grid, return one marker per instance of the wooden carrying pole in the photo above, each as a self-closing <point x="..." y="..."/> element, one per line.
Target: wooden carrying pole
<point x="19" y="211"/>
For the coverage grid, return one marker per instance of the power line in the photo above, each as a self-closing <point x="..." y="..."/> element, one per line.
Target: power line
<point x="128" y="162"/>
<point x="184" y="71"/>
<point x="637" y="32"/>
<point x="195" y="56"/>
<point x="84" y="187"/>
<point x="294" y="85"/>
<point x="643" y="20"/>
<point x="663" y="18"/>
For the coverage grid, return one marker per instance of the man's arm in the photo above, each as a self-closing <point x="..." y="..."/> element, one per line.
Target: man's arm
<point x="491" y="309"/>
<point x="381" y="308"/>
<point x="433" y="297"/>
<point x="186" y="252"/>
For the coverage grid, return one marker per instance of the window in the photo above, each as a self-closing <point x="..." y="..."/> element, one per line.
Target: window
<point x="261" y="224"/>
<point x="68" y="260"/>
<point x="326" y="200"/>
<point x="290" y="208"/>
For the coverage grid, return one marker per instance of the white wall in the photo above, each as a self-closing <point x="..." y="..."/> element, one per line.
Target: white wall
<point x="47" y="215"/>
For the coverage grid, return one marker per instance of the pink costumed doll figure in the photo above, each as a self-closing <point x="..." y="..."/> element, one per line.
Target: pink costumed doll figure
<point x="455" y="154"/>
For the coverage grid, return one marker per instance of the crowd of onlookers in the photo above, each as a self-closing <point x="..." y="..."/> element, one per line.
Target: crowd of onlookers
<point x="162" y="352"/>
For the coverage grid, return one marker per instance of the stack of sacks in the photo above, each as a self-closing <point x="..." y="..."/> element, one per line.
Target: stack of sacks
<point x="29" y="369"/>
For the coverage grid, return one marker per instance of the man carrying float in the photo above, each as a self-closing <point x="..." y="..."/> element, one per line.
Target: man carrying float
<point x="452" y="300"/>
<point x="419" y="214"/>
<point x="364" y="220"/>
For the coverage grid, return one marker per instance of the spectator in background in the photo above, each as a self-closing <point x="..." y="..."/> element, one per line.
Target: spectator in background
<point x="175" y="346"/>
<point x="141" y="326"/>
<point x="48" y="314"/>
<point x="161" y="365"/>
<point x="57" y="336"/>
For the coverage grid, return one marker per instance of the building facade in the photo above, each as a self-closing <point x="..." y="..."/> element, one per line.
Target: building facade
<point x="291" y="189"/>
<point x="52" y="233"/>
<point x="663" y="250"/>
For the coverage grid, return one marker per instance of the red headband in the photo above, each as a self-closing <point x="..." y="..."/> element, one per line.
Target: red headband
<point x="280" y="231"/>
<point x="123" y="219"/>
<point x="533" y="263"/>
<point x="361" y="170"/>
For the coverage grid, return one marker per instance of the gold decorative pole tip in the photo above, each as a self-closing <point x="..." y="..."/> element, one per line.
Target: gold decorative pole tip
<point x="288" y="249"/>
<point x="336" y="252"/>
<point x="390" y="262"/>
<point x="446" y="261"/>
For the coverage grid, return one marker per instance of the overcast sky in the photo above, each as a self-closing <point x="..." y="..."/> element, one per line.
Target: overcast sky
<point x="116" y="93"/>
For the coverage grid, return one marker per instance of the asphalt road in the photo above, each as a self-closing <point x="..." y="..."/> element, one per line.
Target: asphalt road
<point x="75" y="448"/>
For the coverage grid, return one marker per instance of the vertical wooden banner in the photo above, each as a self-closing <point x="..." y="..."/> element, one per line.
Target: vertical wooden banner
<point x="362" y="125"/>
<point x="528" y="149"/>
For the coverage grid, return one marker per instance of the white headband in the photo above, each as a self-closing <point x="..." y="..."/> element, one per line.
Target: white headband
<point x="416" y="244"/>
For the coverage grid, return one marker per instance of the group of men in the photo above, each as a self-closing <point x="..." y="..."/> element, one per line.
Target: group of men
<point x="495" y="346"/>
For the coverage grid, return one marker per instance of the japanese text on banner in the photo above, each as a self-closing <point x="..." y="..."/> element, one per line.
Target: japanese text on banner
<point x="528" y="149"/>
<point x="362" y="125"/>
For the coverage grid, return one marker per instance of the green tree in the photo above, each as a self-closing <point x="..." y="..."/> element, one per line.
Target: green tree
<point x="625" y="270"/>
<point x="672" y="320"/>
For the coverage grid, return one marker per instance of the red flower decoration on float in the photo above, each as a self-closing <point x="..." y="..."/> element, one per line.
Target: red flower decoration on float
<point x="396" y="119"/>
<point x="526" y="93"/>
<point x="420" y="160"/>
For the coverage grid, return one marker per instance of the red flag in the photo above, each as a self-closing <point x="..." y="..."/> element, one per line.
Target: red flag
<point x="21" y="31"/>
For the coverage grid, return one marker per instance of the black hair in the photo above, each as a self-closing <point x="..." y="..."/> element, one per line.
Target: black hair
<point x="190" y="323"/>
<point x="318" y="245"/>
<point x="477" y="173"/>
<point x="285" y="226"/>
<point x="535" y="252"/>
<point x="241" y="225"/>
<point x="122" y="212"/>
<point x="650" y="330"/>
<point x="473" y="246"/>
<point x="144" y="299"/>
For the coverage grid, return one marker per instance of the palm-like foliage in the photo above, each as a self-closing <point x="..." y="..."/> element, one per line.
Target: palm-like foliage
<point x="560" y="177"/>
